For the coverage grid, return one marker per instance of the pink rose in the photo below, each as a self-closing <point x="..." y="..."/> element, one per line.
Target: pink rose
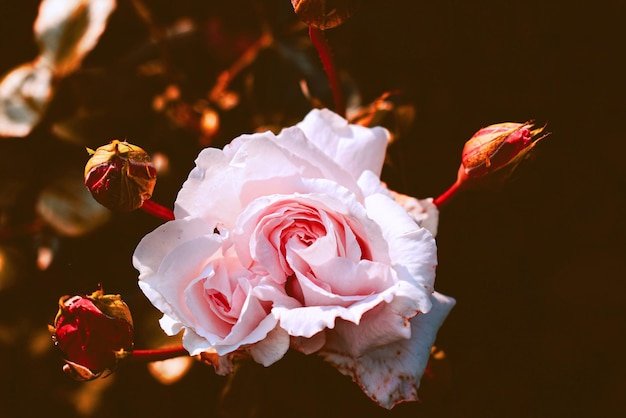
<point x="188" y="271"/>
<point x="313" y="251"/>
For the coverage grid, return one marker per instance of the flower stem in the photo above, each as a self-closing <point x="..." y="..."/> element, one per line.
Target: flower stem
<point x="157" y="210"/>
<point x="147" y="356"/>
<point x="323" y="49"/>
<point x="446" y="196"/>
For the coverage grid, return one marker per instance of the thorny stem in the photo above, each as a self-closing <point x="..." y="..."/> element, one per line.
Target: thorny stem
<point x="323" y="49"/>
<point x="157" y="210"/>
<point x="147" y="356"/>
<point x="446" y="196"/>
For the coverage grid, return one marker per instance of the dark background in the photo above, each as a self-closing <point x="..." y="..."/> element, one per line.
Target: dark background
<point x="536" y="266"/>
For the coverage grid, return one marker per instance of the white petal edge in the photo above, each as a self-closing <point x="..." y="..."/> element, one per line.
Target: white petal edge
<point x="391" y="374"/>
<point x="354" y="147"/>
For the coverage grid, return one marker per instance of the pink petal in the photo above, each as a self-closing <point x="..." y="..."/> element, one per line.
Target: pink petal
<point x="223" y="183"/>
<point x="156" y="245"/>
<point x="166" y="287"/>
<point x="391" y="374"/>
<point x="211" y="192"/>
<point x="383" y="320"/>
<point x="354" y="147"/>
<point x="309" y="345"/>
<point x="424" y="211"/>
<point x="412" y="248"/>
<point x="270" y="349"/>
<point x="325" y="197"/>
<point x="294" y="158"/>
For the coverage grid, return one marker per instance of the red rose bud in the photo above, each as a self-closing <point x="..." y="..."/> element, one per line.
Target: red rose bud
<point x="93" y="332"/>
<point x="120" y="176"/>
<point x="497" y="147"/>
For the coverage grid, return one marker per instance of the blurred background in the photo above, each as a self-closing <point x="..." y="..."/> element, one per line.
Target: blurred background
<point x="536" y="265"/>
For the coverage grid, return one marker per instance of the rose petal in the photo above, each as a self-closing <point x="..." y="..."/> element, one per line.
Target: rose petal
<point x="382" y="321"/>
<point x="252" y="326"/>
<point x="323" y="196"/>
<point x="211" y="190"/>
<point x="354" y="147"/>
<point x="155" y="246"/>
<point x="223" y="364"/>
<point x="309" y="345"/>
<point x="224" y="182"/>
<point x="424" y="211"/>
<point x="349" y="278"/>
<point x="309" y="320"/>
<point x="391" y="374"/>
<point x="167" y="286"/>
<point x="271" y="349"/>
<point x="412" y="248"/>
<point x="370" y="184"/>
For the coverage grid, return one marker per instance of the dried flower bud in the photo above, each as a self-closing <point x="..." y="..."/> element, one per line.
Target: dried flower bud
<point x="496" y="147"/>
<point x="93" y="332"/>
<point x="325" y="14"/>
<point x="120" y="176"/>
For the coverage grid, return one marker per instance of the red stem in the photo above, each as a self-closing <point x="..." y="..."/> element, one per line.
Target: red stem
<point x="157" y="210"/>
<point x="147" y="356"/>
<point x="446" y="196"/>
<point x="323" y="49"/>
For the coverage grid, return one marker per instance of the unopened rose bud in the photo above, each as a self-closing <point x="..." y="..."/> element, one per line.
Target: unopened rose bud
<point x="93" y="332"/>
<point x="498" y="147"/>
<point x="120" y="176"/>
<point x="325" y="14"/>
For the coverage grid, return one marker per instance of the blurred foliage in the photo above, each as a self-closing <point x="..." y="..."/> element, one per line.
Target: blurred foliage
<point x="537" y="268"/>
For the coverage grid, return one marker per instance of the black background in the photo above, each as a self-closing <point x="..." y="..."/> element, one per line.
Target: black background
<point x="536" y="267"/>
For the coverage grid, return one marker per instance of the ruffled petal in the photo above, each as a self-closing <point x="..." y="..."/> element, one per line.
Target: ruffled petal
<point x="272" y="348"/>
<point x="354" y="147"/>
<point x="413" y="249"/>
<point x="391" y="374"/>
<point x="423" y="211"/>
<point x="156" y="245"/>
<point x="381" y="324"/>
<point x="211" y="192"/>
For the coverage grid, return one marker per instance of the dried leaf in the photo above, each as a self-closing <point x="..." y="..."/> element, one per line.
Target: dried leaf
<point x="67" y="30"/>
<point x="24" y="96"/>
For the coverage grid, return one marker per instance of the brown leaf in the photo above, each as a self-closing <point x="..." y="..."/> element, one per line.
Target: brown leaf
<point x="67" y="30"/>
<point x="24" y="96"/>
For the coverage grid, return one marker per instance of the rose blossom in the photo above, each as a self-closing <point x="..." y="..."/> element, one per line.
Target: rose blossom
<point x="311" y="250"/>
